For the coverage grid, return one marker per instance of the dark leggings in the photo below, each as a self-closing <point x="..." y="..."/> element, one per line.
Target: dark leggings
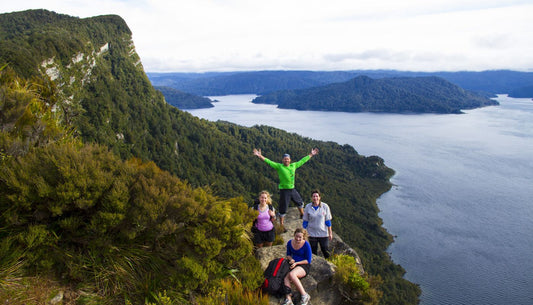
<point x="324" y="245"/>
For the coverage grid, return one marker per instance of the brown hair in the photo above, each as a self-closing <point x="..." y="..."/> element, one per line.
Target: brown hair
<point x="301" y="230"/>
<point x="317" y="192"/>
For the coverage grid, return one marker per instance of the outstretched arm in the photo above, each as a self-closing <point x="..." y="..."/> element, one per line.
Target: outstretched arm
<point x="257" y="152"/>
<point x="314" y="152"/>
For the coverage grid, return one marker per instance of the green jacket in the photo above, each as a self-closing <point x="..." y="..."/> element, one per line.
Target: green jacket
<point x="286" y="173"/>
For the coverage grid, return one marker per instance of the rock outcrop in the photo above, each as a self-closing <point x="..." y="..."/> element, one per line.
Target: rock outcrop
<point x="319" y="283"/>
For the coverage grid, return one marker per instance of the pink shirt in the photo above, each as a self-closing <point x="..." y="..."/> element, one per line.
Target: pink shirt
<point x="263" y="221"/>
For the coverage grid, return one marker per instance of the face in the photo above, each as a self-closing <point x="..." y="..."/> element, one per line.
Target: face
<point x="263" y="198"/>
<point x="299" y="237"/>
<point x="286" y="161"/>
<point x="315" y="198"/>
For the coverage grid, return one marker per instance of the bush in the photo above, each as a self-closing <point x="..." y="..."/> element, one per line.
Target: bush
<point x="233" y="293"/>
<point x="355" y="287"/>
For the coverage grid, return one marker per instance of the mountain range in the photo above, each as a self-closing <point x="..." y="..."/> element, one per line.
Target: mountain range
<point x="488" y="83"/>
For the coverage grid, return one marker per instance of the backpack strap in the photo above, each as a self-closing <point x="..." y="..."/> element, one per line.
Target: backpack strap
<point x="278" y="265"/>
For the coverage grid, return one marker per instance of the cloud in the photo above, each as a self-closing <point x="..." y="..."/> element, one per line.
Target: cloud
<point x="222" y="35"/>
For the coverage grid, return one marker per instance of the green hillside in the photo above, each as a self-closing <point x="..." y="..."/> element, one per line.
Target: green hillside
<point x="81" y="125"/>
<point x="183" y="100"/>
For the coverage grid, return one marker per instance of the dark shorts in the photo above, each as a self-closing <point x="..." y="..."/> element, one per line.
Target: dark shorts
<point x="285" y="197"/>
<point x="306" y="268"/>
<point x="264" y="237"/>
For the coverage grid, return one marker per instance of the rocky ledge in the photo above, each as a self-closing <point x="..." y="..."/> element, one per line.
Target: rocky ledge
<point x="319" y="283"/>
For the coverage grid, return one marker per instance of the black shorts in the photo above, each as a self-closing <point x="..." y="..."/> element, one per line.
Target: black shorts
<point x="285" y="197"/>
<point x="264" y="236"/>
<point x="306" y="268"/>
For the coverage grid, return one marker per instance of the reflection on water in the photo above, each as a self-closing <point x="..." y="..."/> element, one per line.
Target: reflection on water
<point x="462" y="206"/>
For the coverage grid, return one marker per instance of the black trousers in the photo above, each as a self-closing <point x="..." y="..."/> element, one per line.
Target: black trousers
<point x="324" y="245"/>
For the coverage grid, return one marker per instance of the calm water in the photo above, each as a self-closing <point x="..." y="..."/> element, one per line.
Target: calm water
<point x="462" y="204"/>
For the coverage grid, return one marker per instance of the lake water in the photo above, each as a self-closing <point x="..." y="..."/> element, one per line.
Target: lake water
<point x="462" y="205"/>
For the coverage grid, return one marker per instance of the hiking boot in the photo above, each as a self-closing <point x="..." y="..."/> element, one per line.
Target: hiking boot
<point x="305" y="299"/>
<point x="287" y="302"/>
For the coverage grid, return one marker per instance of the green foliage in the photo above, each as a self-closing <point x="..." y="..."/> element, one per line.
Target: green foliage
<point x="355" y="287"/>
<point x="114" y="227"/>
<point x="364" y="94"/>
<point x="182" y="100"/>
<point x="27" y="114"/>
<point x="11" y="265"/>
<point x="135" y="227"/>
<point x="124" y="227"/>
<point x="233" y="293"/>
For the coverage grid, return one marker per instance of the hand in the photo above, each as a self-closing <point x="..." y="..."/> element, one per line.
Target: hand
<point x="257" y="152"/>
<point x="314" y="151"/>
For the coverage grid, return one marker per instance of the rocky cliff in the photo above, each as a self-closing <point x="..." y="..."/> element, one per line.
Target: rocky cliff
<point x="319" y="283"/>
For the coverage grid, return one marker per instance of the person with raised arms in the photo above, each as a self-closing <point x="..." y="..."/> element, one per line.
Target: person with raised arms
<point x="286" y="172"/>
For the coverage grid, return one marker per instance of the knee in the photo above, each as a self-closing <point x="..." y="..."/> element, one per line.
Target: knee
<point x="293" y="277"/>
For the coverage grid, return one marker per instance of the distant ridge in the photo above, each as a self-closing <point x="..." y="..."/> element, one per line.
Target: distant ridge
<point x="397" y="95"/>
<point x="262" y="82"/>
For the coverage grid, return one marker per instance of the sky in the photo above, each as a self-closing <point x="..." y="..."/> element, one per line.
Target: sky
<point x="327" y="35"/>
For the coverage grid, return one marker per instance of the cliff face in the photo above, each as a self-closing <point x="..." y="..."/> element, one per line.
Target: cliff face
<point x="319" y="283"/>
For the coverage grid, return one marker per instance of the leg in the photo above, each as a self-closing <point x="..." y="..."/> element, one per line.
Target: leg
<point x="295" y="196"/>
<point x="294" y="276"/>
<point x="287" y="283"/>
<point x="313" y="241"/>
<point x="324" y="246"/>
<point x="284" y="198"/>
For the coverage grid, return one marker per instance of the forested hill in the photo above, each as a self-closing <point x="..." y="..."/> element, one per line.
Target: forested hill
<point x="522" y="92"/>
<point x="107" y="187"/>
<point x="397" y="95"/>
<point x="183" y="100"/>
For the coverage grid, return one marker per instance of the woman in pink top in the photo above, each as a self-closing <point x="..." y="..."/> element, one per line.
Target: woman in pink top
<point x="263" y="227"/>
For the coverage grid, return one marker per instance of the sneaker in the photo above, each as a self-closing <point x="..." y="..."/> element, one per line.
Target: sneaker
<point x="305" y="299"/>
<point x="287" y="302"/>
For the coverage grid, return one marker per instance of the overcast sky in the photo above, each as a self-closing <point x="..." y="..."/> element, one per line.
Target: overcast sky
<point x="231" y="35"/>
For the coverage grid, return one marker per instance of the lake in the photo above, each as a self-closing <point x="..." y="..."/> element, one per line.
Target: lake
<point x="461" y="208"/>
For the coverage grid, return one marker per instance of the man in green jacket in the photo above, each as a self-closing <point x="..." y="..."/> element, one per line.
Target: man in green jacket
<point x="286" y="172"/>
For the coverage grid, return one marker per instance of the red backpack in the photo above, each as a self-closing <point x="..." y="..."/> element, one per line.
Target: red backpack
<point x="274" y="274"/>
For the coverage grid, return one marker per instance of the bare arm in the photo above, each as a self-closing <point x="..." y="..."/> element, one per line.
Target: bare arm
<point x="257" y="152"/>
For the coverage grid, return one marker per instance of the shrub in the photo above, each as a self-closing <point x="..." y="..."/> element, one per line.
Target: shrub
<point x="233" y="293"/>
<point x="355" y="287"/>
